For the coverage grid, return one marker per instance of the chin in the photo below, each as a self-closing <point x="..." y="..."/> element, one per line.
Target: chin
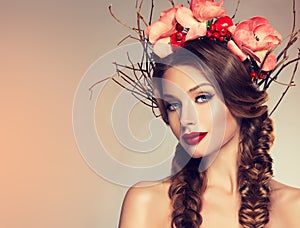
<point x="194" y="152"/>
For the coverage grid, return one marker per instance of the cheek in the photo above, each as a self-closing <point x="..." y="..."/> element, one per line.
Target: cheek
<point x="219" y="119"/>
<point x="174" y="124"/>
<point x="205" y="117"/>
<point x="231" y="123"/>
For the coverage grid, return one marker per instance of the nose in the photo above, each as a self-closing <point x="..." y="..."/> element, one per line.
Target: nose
<point x="188" y="115"/>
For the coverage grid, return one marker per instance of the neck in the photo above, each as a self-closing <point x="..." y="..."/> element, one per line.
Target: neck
<point x="222" y="174"/>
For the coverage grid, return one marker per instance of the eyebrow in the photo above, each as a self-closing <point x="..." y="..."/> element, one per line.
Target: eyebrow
<point x="198" y="86"/>
<point x="190" y="90"/>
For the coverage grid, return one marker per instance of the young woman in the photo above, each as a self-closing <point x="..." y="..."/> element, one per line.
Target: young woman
<point x="222" y="168"/>
<point x="200" y="93"/>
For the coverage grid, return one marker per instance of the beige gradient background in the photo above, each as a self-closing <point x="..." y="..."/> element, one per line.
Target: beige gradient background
<point x="45" y="49"/>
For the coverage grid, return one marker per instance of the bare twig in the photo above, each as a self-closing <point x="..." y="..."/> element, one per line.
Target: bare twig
<point x="129" y="81"/>
<point x="288" y="87"/>
<point x="119" y="21"/>
<point x="143" y="101"/>
<point x="293" y="37"/>
<point x="285" y="84"/>
<point x="138" y="22"/>
<point x="142" y="19"/>
<point x="282" y="68"/>
<point x="139" y="15"/>
<point x="139" y="6"/>
<point x="280" y="63"/>
<point x="128" y="89"/>
<point x="135" y="72"/>
<point x="151" y="12"/>
<point x="172" y="2"/>
<point x="236" y="9"/>
<point x="96" y="83"/>
<point x="294" y="16"/>
<point x="127" y="37"/>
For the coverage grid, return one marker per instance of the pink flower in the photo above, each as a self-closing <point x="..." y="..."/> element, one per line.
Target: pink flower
<point x="193" y="19"/>
<point x="256" y="37"/>
<point x="185" y="17"/>
<point x="164" y="27"/>
<point x="204" y="10"/>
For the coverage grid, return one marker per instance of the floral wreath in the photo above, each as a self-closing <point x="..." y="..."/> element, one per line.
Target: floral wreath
<point x="252" y="40"/>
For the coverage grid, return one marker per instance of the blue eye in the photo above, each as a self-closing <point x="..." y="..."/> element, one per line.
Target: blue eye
<point x="203" y="98"/>
<point x="173" y="106"/>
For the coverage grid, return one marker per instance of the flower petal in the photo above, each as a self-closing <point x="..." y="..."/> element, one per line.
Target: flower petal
<point x="254" y="55"/>
<point x="256" y="21"/>
<point x="168" y="16"/>
<point x="163" y="48"/>
<point x="165" y="26"/>
<point x="184" y="16"/>
<point x="159" y="30"/>
<point x="245" y="25"/>
<point x="211" y="12"/>
<point x="272" y="41"/>
<point x="205" y="10"/>
<point x="270" y="61"/>
<point x="232" y="46"/>
<point x="244" y="38"/>
<point x="232" y="29"/>
<point x="197" y="30"/>
<point x="267" y="37"/>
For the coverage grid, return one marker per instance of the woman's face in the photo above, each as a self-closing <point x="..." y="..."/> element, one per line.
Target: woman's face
<point x="197" y="115"/>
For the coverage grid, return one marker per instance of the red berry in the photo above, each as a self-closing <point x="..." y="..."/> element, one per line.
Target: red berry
<point x="223" y="22"/>
<point x="179" y="36"/>
<point x="262" y="76"/>
<point x="212" y="27"/>
<point x="223" y="32"/>
<point x="208" y="33"/>
<point x="221" y="38"/>
<point x="174" y="38"/>
<point x="253" y="75"/>
<point x="216" y="35"/>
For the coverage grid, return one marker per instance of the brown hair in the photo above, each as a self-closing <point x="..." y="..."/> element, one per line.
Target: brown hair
<point x="246" y="103"/>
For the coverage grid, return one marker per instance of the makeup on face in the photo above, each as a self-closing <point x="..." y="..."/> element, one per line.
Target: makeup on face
<point x="196" y="114"/>
<point x="193" y="138"/>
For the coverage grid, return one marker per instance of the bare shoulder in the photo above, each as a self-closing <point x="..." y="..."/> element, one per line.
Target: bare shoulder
<point x="145" y="204"/>
<point x="286" y="204"/>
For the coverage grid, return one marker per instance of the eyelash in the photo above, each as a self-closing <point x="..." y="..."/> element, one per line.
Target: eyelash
<point x="173" y="106"/>
<point x="205" y="96"/>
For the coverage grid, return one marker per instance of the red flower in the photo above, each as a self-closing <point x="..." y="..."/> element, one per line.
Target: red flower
<point x="256" y="37"/>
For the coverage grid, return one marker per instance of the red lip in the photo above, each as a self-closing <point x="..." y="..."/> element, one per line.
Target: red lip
<point x="194" y="138"/>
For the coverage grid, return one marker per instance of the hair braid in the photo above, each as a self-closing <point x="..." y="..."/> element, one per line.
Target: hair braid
<point x="247" y="103"/>
<point x="255" y="171"/>
<point x="185" y="191"/>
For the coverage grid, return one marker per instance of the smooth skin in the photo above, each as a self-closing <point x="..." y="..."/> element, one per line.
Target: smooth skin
<point x="147" y="204"/>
